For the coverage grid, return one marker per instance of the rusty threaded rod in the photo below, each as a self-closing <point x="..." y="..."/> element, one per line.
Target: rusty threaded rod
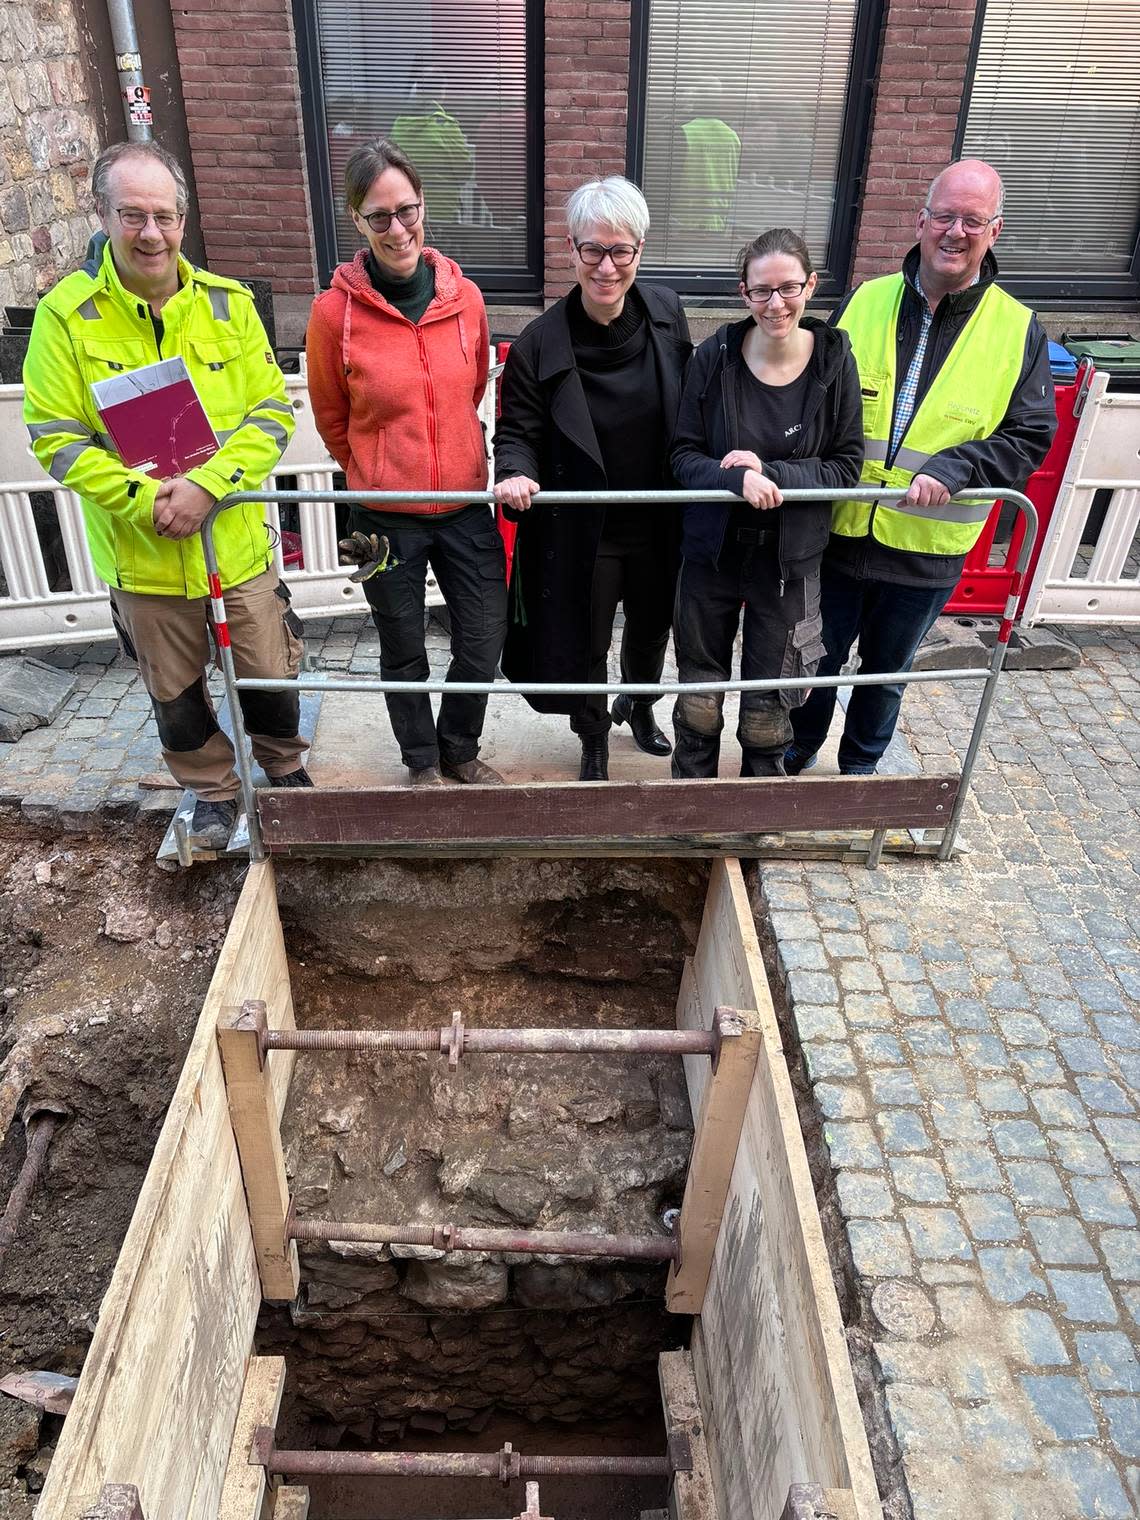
<point x="617" y="1467"/>
<point x="457" y="1464"/>
<point x="39" y="1137"/>
<point x="352" y="1039"/>
<point x="450" y="1237"/>
<point x="681" y="1042"/>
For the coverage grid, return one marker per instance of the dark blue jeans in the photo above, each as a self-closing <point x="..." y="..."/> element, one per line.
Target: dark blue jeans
<point x="890" y="623"/>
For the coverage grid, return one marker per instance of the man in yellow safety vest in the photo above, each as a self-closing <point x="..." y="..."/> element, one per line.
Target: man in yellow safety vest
<point x="136" y="301"/>
<point x="956" y="393"/>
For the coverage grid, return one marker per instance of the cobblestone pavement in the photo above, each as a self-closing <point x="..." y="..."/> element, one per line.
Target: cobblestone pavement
<point x="972" y="1037"/>
<point x="87" y="763"/>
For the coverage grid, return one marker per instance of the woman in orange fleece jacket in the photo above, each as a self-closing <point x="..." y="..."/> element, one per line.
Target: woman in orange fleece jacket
<point x="398" y="355"/>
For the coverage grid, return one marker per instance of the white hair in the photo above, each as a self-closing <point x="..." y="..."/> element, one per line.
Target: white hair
<point x="613" y="202"/>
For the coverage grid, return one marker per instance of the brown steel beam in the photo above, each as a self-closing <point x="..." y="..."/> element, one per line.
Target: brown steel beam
<point x="704" y="817"/>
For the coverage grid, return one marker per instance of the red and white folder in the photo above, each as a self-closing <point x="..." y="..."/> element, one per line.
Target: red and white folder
<point x="156" y="419"/>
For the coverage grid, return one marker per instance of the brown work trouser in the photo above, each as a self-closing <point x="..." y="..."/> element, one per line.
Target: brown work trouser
<point x="169" y="637"/>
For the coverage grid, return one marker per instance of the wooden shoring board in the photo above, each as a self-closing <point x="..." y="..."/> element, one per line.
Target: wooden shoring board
<point x="244" y="1486"/>
<point x="693" y="1495"/>
<point x="159" y="1394"/>
<point x="768" y="1346"/>
<point x="618" y="817"/>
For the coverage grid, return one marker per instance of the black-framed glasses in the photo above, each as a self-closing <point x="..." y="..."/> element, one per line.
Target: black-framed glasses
<point x="136" y="220"/>
<point x="788" y="291"/>
<point x="944" y="220"/>
<point x="380" y="221"/>
<point x="621" y="254"/>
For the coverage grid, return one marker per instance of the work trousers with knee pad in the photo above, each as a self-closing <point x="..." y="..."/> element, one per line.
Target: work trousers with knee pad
<point x="169" y="636"/>
<point x="781" y="637"/>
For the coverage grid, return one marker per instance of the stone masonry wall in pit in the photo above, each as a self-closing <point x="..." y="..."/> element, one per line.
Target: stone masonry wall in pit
<point x="383" y="1339"/>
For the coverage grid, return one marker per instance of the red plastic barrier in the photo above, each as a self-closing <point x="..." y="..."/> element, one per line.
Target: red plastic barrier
<point x="292" y="552"/>
<point x="507" y="529"/>
<point x="983" y="588"/>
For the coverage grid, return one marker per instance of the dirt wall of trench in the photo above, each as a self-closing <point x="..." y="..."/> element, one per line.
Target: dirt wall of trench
<point x="386" y="1341"/>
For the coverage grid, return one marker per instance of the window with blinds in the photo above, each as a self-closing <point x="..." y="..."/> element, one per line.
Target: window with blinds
<point x="1055" y="107"/>
<point x="745" y="103"/>
<point x="447" y="82"/>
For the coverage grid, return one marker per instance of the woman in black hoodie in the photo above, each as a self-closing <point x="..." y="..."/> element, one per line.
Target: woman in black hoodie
<point x="770" y="401"/>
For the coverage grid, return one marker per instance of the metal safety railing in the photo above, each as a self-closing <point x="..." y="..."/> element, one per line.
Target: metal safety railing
<point x="234" y="685"/>
<point x="49" y="590"/>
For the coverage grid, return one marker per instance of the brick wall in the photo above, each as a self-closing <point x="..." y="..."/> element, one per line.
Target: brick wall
<point x="238" y="61"/>
<point x="922" y="75"/>
<point x="587" y="81"/>
<point x="48" y="142"/>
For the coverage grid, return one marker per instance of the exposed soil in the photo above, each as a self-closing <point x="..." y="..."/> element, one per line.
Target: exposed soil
<point x="389" y="1345"/>
<point x="104" y="961"/>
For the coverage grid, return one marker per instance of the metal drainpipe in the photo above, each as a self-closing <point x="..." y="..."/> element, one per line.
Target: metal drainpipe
<point x="128" y="61"/>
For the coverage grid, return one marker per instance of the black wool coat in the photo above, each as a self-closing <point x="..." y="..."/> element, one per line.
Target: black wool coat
<point x="546" y="432"/>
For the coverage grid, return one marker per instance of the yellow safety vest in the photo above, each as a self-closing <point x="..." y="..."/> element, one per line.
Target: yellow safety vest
<point x="967" y="399"/>
<point x="90" y="327"/>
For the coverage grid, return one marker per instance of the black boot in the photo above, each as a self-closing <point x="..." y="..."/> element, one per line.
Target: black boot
<point x="595" y="757"/>
<point x="638" y="714"/>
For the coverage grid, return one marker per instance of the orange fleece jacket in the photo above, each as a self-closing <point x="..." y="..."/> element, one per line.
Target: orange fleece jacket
<point x="395" y="401"/>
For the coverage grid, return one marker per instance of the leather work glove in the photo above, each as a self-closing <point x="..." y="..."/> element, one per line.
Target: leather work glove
<point x="371" y="554"/>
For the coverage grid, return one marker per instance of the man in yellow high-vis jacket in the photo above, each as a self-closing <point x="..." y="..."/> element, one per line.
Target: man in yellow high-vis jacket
<point x="956" y="393"/>
<point x="134" y="302"/>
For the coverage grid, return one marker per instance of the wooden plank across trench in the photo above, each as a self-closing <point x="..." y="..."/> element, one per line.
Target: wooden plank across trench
<point x="615" y="818"/>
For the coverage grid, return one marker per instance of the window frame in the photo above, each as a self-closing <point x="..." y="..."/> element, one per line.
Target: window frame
<point x="1043" y="289"/>
<point x="697" y="286"/>
<point x="522" y="285"/>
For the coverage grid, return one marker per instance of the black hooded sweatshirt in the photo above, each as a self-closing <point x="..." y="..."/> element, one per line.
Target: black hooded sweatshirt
<point x="828" y="452"/>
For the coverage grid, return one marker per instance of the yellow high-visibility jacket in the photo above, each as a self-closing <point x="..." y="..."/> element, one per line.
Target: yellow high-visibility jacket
<point x="89" y="328"/>
<point x="967" y="399"/>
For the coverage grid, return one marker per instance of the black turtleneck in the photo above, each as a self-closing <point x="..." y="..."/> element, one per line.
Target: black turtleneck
<point x="619" y="377"/>
<point x="412" y="296"/>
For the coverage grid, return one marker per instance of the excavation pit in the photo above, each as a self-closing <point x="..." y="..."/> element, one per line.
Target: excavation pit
<point x="413" y="1347"/>
<point x="214" y="1324"/>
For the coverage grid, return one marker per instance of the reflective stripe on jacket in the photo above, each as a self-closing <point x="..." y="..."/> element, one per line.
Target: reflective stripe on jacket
<point x="967" y="399"/>
<point x="88" y="328"/>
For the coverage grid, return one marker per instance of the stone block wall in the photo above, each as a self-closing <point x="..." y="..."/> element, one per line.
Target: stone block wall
<point x="48" y="142"/>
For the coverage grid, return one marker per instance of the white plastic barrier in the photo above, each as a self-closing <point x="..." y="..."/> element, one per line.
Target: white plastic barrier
<point x="33" y="615"/>
<point x="1075" y="583"/>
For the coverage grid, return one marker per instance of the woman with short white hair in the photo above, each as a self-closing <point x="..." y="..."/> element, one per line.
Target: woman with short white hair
<point x="589" y="401"/>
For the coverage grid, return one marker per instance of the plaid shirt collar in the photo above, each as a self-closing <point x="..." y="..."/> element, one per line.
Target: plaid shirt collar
<point x="908" y="391"/>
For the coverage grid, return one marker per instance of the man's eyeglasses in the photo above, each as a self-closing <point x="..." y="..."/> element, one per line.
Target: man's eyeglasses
<point x="944" y="220"/>
<point x="137" y="220"/>
<point x="380" y="221"/>
<point x="622" y="254"/>
<point x="788" y="291"/>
